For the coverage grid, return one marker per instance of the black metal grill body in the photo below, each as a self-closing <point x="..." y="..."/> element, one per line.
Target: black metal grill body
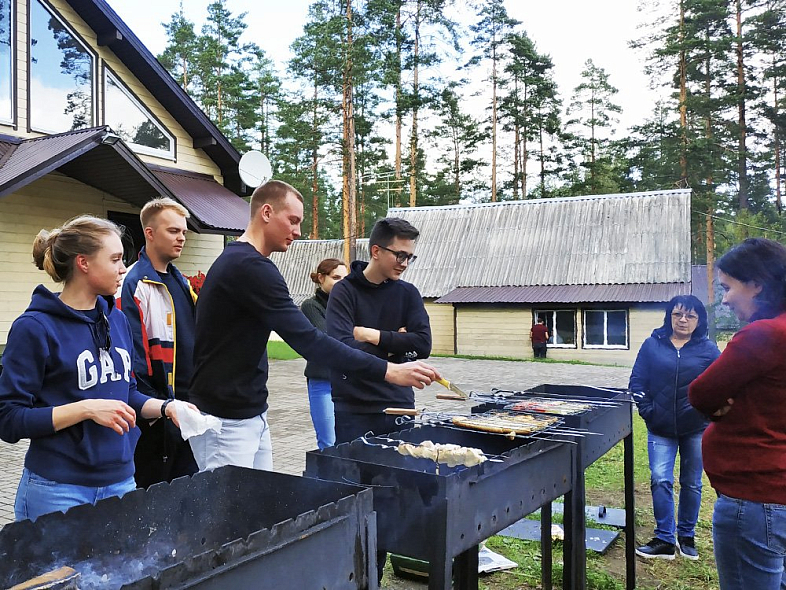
<point x="229" y="528"/>
<point x="439" y="516"/>
<point x="609" y="425"/>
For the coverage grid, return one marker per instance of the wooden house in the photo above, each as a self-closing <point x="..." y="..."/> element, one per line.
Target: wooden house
<point x="90" y="122"/>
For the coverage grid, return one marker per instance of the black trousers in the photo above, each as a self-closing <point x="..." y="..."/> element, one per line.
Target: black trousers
<point x="350" y="426"/>
<point x="539" y="348"/>
<point x="161" y="454"/>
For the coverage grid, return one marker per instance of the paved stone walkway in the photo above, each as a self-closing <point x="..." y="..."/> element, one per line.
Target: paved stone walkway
<point x="290" y="422"/>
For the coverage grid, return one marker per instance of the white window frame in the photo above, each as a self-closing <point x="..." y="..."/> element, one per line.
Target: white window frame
<point x="12" y="87"/>
<point x="85" y="46"/>
<point x="538" y="312"/>
<point x="140" y="149"/>
<point x="606" y="346"/>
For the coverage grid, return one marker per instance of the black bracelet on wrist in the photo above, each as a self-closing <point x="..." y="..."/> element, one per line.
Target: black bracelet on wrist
<point x="163" y="408"/>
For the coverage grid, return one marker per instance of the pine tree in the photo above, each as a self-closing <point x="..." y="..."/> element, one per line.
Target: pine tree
<point x="593" y="111"/>
<point x="490" y="35"/>
<point x="461" y="133"/>
<point x="181" y="49"/>
<point x="264" y="93"/>
<point x="530" y="107"/>
<point x="317" y="64"/>
<point x="219" y="53"/>
<point x="767" y="38"/>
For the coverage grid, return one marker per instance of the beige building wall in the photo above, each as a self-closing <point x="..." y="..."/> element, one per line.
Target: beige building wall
<point x="186" y="157"/>
<point x="442" y="333"/>
<point x="493" y="331"/>
<point x="504" y="331"/>
<point x="46" y="204"/>
<point x="641" y="322"/>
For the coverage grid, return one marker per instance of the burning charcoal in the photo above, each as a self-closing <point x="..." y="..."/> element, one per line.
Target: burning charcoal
<point x="64" y="578"/>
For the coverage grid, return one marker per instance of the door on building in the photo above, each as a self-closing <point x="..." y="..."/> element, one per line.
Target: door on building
<point x="133" y="236"/>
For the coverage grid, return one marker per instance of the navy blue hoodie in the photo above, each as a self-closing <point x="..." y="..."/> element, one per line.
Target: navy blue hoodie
<point x="56" y="355"/>
<point x="389" y="306"/>
<point x="660" y="380"/>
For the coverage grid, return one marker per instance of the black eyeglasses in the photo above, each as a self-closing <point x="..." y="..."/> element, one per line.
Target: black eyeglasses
<point x="401" y="257"/>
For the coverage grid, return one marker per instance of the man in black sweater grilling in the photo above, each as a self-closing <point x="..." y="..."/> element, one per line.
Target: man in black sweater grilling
<point x="243" y="299"/>
<point x="374" y="311"/>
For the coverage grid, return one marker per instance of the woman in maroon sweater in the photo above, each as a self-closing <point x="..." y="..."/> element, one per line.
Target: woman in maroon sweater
<point x="744" y="394"/>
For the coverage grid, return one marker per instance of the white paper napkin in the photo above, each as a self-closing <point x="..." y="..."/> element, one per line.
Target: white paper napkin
<point x="193" y="423"/>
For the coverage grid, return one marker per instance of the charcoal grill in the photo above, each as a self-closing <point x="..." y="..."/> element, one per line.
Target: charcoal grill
<point x="610" y="424"/>
<point x="440" y="513"/>
<point x="229" y="528"/>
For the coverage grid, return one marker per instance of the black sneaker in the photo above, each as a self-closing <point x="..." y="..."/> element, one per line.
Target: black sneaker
<point x="687" y="548"/>
<point x="657" y="549"/>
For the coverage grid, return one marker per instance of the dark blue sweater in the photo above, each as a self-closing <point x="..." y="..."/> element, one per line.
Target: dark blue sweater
<point x="243" y="299"/>
<point x="387" y="307"/>
<point x="660" y="380"/>
<point x="55" y="356"/>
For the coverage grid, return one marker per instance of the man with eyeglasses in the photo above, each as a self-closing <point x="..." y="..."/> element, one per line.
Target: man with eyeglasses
<point x="373" y="310"/>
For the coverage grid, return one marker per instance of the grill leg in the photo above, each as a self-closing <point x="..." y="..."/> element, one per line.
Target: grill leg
<point x="467" y="569"/>
<point x="630" y="528"/>
<point x="440" y="573"/>
<point x="545" y="546"/>
<point x="575" y="551"/>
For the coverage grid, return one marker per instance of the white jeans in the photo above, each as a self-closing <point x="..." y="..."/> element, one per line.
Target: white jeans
<point x="245" y="443"/>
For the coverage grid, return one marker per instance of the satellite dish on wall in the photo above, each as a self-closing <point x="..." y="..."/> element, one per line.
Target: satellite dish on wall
<point x="255" y="169"/>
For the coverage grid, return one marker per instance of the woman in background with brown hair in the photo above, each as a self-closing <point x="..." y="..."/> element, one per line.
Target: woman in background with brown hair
<point x="67" y="382"/>
<point x="328" y="273"/>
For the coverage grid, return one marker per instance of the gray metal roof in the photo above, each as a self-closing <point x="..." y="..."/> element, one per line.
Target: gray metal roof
<point x="601" y="240"/>
<point x="551" y="294"/>
<point x="302" y="258"/>
<point x="592" y="240"/>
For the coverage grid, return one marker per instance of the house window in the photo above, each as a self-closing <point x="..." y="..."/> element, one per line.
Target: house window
<point x="61" y="74"/>
<point x="6" y="63"/>
<point x="562" y="326"/>
<point x="133" y="122"/>
<point x="605" y="328"/>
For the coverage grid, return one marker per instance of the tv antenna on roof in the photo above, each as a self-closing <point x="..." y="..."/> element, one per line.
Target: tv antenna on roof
<point x="254" y="169"/>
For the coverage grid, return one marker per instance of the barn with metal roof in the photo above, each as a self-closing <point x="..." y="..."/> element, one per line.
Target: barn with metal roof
<point x="597" y="268"/>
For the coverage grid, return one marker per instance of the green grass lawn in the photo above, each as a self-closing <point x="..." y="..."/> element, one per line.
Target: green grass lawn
<point x="280" y="351"/>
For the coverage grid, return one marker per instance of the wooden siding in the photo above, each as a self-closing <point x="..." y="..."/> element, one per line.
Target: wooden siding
<point x="504" y="331"/>
<point x="493" y="331"/>
<point x="442" y="332"/>
<point x="187" y="158"/>
<point x="46" y="204"/>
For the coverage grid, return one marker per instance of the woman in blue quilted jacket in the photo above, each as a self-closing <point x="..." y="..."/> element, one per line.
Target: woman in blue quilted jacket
<point x="668" y="361"/>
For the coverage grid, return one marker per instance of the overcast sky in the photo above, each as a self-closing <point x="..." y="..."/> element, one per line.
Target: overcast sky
<point x="571" y="31"/>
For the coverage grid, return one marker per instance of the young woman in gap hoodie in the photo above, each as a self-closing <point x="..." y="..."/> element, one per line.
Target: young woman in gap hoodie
<point x="67" y="382"/>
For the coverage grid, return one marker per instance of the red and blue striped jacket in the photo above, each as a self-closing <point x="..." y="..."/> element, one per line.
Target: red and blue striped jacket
<point x="148" y="305"/>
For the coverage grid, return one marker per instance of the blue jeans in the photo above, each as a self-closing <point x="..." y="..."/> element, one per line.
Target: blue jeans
<point x="37" y="495"/>
<point x="322" y="417"/>
<point x="662" y="452"/>
<point x="750" y="544"/>
<point x="243" y="442"/>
